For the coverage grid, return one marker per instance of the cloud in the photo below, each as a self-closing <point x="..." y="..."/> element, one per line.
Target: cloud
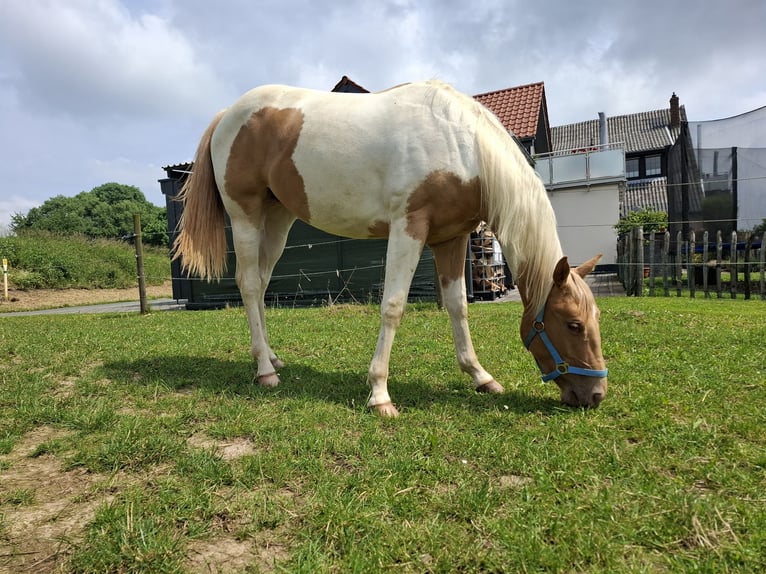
<point x="92" y="58"/>
<point x="109" y="90"/>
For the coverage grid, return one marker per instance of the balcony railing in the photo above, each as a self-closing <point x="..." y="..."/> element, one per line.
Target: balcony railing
<point x="594" y="164"/>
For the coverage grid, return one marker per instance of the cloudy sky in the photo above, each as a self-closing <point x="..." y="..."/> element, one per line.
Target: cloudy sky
<point x="93" y="91"/>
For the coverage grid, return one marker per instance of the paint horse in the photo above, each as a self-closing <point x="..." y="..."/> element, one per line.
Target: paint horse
<point x="419" y="164"/>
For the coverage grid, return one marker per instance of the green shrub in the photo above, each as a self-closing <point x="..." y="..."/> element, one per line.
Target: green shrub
<point x="650" y="219"/>
<point x="41" y="260"/>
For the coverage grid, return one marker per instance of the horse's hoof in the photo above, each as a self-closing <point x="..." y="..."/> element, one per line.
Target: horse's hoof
<point x="491" y="387"/>
<point x="386" y="410"/>
<point x="277" y="363"/>
<point x="270" y="380"/>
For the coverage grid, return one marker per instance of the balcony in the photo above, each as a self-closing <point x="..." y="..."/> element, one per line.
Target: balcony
<point x="582" y="167"/>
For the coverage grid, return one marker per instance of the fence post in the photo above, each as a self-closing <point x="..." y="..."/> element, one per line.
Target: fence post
<point x="665" y="252"/>
<point x="620" y="258"/>
<point x="627" y="268"/>
<point x="651" y="263"/>
<point x="690" y="268"/>
<point x="638" y="255"/>
<point x="5" y="280"/>
<point x="705" y="266"/>
<point x="140" y="264"/>
<point x="748" y="248"/>
<point x="718" y="258"/>
<point x="679" y="257"/>
<point x="762" y="265"/>
<point x="733" y="266"/>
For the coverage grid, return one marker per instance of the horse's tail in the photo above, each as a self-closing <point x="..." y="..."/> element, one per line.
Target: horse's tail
<point x="201" y="241"/>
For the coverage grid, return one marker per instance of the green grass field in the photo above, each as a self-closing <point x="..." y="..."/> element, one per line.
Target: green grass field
<point x="136" y="443"/>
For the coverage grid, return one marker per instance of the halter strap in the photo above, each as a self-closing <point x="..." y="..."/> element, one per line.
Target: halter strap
<point x="562" y="367"/>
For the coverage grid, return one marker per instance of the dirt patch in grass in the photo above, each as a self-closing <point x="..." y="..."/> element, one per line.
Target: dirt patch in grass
<point x="227" y="449"/>
<point x="226" y="550"/>
<point x="45" y="508"/>
<point x="53" y="298"/>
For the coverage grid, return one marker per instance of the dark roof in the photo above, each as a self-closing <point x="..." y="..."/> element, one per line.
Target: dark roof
<point x="346" y="84"/>
<point x="643" y="193"/>
<point x="178" y="168"/>
<point x="644" y="131"/>
<point x="518" y="109"/>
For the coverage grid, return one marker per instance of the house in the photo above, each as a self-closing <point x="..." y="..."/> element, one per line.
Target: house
<point x="647" y="138"/>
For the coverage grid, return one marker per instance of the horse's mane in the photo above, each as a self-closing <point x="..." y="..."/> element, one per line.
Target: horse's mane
<point x="518" y="210"/>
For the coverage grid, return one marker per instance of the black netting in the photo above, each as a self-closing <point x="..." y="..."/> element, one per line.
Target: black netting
<point x="717" y="176"/>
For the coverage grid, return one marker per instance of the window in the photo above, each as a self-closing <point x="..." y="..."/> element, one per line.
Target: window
<point x="653" y="165"/>
<point x="631" y="167"/>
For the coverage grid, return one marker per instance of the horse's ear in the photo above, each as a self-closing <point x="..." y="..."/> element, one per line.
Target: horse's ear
<point x="561" y="273"/>
<point x="588" y="266"/>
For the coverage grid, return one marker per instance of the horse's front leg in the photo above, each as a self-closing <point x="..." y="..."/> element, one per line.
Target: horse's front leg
<point x="450" y="264"/>
<point x="402" y="258"/>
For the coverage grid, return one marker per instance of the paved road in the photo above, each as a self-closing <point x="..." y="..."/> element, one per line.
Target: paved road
<point x="125" y="307"/>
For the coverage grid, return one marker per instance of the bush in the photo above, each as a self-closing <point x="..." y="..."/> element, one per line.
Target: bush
<point x="41" y="260"/>
<point x="650" y="219"/>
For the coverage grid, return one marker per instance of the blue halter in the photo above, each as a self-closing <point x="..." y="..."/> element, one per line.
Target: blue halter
<point x="562" y="367"/>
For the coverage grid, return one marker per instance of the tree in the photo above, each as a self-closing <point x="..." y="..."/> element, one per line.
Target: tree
<point x="105" y="212"/>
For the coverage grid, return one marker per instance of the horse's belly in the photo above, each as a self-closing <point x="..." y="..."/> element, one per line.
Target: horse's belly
<point x="349" y="218"/>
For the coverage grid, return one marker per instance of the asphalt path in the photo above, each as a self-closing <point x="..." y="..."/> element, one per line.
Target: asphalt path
<point x="124" y="307"/>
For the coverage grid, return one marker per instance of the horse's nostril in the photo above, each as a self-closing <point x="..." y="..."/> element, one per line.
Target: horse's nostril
<point x="597" y="398"/>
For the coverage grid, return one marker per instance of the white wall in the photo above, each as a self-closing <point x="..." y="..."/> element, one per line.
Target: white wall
<point x="585" y="220"/>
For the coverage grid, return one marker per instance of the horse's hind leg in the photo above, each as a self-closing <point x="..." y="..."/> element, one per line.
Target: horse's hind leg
<point x="450" y="264"/>
<point x="277" y="224"/>
<point x="258" y="245"/>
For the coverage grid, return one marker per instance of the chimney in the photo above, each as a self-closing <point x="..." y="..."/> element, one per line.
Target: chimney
<point x="603" y="134"/>
<point x="675" y="112"/>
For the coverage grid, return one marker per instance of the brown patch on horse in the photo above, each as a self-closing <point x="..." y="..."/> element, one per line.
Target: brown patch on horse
<point x="450" y="259"/>
<point x="379" y="230"/>
<point x="261" y="158"/>
<point x="443" y="207"/>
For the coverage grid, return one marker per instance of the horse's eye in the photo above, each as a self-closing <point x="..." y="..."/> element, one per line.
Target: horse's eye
<point x="575" y="326"/>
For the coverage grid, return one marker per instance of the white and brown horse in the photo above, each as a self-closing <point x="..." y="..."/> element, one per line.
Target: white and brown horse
<point x="419" y="164"/>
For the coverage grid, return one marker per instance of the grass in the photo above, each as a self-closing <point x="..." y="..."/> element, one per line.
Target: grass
<point x="184" y="462"/>
<point x="40" y="260"/>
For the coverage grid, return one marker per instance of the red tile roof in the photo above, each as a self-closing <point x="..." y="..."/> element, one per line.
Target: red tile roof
<point x="518" y="109"/>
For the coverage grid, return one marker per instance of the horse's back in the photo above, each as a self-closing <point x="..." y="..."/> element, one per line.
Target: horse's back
<point x="344" y="162"/>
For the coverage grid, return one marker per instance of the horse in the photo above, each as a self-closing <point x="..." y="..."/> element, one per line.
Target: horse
<point x="418" y="164"/>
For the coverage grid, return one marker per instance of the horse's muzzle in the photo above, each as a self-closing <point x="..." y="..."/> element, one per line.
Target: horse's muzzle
<point x="584" y="395"/>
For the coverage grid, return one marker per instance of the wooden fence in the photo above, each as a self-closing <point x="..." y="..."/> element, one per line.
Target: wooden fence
<point x="652" y="264"/>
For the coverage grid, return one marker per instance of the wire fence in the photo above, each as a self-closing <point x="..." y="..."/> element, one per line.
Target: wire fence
<point x="650" y="263"/>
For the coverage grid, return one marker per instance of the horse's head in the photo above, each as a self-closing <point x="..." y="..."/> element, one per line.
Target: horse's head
<point x="565" y="338"/>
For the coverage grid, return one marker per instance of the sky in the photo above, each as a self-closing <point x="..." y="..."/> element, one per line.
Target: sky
<point x="95" y="91"/>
